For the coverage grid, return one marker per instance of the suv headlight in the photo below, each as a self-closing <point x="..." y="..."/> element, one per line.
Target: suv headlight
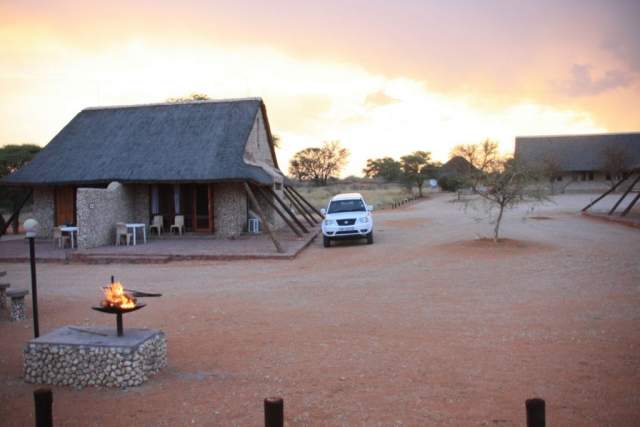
<point x="363" y="220"/>
<point x="329" y="222"/>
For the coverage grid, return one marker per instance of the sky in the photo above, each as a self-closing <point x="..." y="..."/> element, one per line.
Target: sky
<point x="384" y="78"/>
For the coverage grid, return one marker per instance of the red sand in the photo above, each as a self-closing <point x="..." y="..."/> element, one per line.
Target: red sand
<point x="426" y="327"/>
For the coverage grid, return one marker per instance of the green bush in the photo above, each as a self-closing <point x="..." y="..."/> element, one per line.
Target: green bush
<point x="450" y="183"/>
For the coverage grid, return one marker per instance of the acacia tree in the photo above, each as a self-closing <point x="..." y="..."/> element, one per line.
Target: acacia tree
<point x="12" y="158"/>
<point x="510" y="184"/>
<point x="386" y="167"/>
<point x="416" y="168"/>
<point x="318" y="164"/>
<point x="484" y="158"/>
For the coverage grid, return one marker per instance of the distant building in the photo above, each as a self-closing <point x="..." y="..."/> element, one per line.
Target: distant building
<point x="582" y="161"/>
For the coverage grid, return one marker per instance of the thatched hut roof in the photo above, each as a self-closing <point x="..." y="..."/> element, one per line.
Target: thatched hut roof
<point x="573" y="153"/>
<point x="200" y="141"/>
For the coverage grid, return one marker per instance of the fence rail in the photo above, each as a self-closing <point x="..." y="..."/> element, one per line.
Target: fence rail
<point x="273" y="410"/>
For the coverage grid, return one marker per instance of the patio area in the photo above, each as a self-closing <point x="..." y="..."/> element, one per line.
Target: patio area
<point x="162" y="250"/>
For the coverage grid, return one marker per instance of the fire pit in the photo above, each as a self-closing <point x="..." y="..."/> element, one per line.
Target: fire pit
<point x="82" y="356"/>
<point x="117" y="301"/>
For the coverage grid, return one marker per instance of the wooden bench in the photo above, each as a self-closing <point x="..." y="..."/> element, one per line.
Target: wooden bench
<point x="17" y="304"/>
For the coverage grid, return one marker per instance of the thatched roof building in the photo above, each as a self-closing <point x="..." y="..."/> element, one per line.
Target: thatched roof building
<point x="578" y="153"/>
<point x="193" y="161"/>
<point x="179" y="142"/>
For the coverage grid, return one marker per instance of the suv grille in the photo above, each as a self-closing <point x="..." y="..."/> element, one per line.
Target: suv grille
<point x="346" y="221"/>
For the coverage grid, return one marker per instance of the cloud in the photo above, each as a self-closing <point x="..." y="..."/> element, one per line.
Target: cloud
<point x="379" y="99"/>
<point x="582" y="83"/>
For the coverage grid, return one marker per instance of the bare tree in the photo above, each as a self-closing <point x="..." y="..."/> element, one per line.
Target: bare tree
<point x="484" y="158"/>
<point x="319" y="164"/>
<point x="510" y="184"/>
<point x="189" y="98"/>
<point x="616" y="162"/>
<point x="553" y="172"/>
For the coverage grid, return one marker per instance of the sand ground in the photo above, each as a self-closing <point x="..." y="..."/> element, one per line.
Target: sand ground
<point x="425" y="327"/>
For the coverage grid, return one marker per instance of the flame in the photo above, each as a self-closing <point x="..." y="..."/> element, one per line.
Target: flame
<point x="115" y="296"/>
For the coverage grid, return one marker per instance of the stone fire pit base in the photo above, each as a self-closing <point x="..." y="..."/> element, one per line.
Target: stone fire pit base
<point x="83" y="356"/>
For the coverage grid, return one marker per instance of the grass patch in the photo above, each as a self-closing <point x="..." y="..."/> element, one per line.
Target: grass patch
<point x="380" y="195"/>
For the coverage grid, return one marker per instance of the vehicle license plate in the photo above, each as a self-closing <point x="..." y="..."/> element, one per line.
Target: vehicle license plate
<point x="348" y="228"/>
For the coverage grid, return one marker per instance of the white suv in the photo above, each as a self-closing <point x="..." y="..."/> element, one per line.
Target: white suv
<point x="347" y="217"/>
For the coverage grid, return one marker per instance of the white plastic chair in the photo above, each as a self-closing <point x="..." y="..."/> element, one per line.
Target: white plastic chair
<point x="178" y="223"/>
<point x="123" y="231"/>
<point x="60" y="238"/>
<point x="157" y="225"/>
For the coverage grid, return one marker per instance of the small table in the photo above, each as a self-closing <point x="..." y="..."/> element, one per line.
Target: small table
<point x="73" y="231"/>
<point x="135" y="226"/>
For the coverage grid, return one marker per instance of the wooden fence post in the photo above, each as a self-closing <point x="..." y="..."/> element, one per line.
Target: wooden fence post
<point x="273" y="412"/>
<point x="43" y="398"/>
<point x="535" y="412"/>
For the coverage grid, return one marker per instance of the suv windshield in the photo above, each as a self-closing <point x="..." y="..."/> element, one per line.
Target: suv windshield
<point x="354" y="205"/>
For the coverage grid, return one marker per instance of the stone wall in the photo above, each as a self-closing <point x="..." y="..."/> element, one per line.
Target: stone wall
<point x="81" y="357"/>
<point x="44" y="210"/>
<point x="229" y="209"/>
<point x="99" y="209"/>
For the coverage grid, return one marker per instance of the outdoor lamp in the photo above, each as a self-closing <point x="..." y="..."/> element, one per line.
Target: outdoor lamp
<point x="31" y="227"/>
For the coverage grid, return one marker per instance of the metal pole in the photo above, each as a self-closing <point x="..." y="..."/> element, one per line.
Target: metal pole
<point x="119" y="324"/>
<point x="44" y="407"/>
<point x="273" y="412"/>
<point x="34" y="288"/>
<point x="535" y="412"/>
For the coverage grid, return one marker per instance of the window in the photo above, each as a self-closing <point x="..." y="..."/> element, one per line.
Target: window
<point x="355" y="205"/>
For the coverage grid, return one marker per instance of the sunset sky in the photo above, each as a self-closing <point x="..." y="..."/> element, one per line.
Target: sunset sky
<point x="383" y="77"/>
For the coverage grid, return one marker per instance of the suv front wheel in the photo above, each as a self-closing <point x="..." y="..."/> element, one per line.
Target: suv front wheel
<point x="370" y="238"/>
<point x="326" y="241"/>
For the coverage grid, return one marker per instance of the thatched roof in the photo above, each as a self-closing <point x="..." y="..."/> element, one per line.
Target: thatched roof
<point x="200" y="141"/>
<point x="456" y="165"/>
<point x="578" y="152"/>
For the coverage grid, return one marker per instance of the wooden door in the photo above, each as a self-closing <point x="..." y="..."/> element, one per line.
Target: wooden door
<point x="202" y="208"/>
<point x="65" y="205"/>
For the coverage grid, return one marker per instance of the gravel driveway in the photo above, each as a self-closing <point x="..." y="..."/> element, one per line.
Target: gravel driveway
<point x="428" y="326"/>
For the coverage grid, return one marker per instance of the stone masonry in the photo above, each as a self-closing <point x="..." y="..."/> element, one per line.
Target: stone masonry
<point x="229" y="209"/>
<point x="81" y="357"/>
<point x="43" y="210"/>
<point x="99" y="209"/>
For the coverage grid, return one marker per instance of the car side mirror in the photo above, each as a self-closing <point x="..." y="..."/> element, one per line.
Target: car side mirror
<point x="323" y="211"/>
<point x="370" y="208"/>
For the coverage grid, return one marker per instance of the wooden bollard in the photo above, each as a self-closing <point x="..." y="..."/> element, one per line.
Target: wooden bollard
<point x="273" y="412"/>
<point x="43" y="398"/>
<point x="535" y="412"/>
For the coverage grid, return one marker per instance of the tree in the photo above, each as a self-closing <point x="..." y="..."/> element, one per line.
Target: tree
<point x="553" y="172"/>
<point x="319" y="164"/>
<point x="387" y="168"/>
<point x="616" y="162"/>
<point x="189" y="98"/>
<point x="484" y="158"/>
<point x="510" y="184"/>
<point x="276" y="140"/>
<point x="12" y="158"/>
<point x="416" y="168"/>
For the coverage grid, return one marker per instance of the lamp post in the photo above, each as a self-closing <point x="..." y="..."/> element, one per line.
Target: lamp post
<point x="31" y="226"/>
